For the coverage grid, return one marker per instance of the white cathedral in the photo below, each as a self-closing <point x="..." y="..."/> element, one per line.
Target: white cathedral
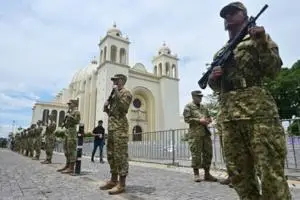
<point x="155" y="104"/>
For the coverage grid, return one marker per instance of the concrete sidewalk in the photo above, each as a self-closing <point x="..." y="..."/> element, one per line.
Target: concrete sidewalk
<point x="23" y="178"/>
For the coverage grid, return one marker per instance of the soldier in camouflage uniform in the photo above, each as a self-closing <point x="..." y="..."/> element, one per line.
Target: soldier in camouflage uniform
<point x="254" y="140"/>
<point x="199" y="137"/>
<point x="38" y="140"/>
<point x="117" y="143"/>
<point x="49" y="139"/>
<point x="31" y="139"/>
<point x="72" y="121"/>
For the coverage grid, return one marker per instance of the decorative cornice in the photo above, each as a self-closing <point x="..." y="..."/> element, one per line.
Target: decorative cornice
<point x="115" y="38"/>
<point x="114" y="63"/>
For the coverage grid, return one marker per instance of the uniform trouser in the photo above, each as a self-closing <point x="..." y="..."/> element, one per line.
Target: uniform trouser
<point x="66" y="148"/>
<point x="30" y="146"/>
<point x="256" y="145"/>
<point x="100" y="144"/>
<point x="38" y="146"/>
<point x="72" y="144"/>
<point x="201" y="150"/>
<point x="117" y="152"/>
<point x="49" y="146"/>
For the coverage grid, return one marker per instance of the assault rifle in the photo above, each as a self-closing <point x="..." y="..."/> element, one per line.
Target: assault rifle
<point x="65" y="120"/>
<point x="224" y="56"/>
<point x="105" y="108"/>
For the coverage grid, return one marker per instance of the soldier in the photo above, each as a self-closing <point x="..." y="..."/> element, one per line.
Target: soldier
<point x="253" y="135"/>
<point x="199" y="137"/>
<point x="65" y="143"/>
<point x="38" y="140"/>
<point x="49" y="140"/>
<point x="31" y="140"/>
<point x="226" y="181"/>
<point x="72" y="121"/>
<point x="117" y="144"/>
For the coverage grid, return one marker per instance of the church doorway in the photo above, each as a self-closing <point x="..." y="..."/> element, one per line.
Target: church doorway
<point x="137" y="133"/>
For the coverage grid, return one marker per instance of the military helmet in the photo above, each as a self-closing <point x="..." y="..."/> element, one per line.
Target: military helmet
<point x="197" y="93"/>
<point x="119" y="76"/>
<point x="232" y="6"/>
<point x="73" y="102"/>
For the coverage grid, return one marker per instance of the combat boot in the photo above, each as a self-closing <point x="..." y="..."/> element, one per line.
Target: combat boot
<point x="70" y="169"/>
<point x="35" y="158"/>
<point x="196" y="175"/>
<point x="111" y="183"/>
<point x="208" y="176"/>
<point x="46" y="162"/>
<point x="119" y="188"/>
<point x="64" y="168"/>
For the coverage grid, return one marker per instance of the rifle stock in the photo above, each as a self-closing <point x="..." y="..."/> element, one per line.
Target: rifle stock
<point x="105" y="107"/>
<point x="224" y="56"/>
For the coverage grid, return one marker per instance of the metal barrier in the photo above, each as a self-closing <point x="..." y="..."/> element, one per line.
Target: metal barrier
<point x="169" y="147"/>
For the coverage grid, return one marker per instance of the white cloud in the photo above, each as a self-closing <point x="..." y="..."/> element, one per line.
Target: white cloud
<point x="45" y="42"/>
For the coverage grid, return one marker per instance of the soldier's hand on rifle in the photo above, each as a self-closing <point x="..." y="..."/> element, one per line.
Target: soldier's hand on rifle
<point x="216" y="73"/>
<point x="204" y="121"/>
<point x="258" y="33"/>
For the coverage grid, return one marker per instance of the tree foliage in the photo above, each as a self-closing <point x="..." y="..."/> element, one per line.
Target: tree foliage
<point x="285" y="89"/>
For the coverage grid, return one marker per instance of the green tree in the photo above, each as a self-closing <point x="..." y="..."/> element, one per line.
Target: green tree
<point x="285" y="89"/>
<point x="294" y="128"/>
<point x="212" y="104"/>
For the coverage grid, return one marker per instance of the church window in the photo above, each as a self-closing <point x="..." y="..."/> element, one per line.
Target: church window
<point x="137" y="103"/>
<point x="113" y="53"/>
<point x="137" y="133"/>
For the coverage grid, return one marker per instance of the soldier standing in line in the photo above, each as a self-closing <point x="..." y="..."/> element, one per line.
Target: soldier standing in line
<point x="199" y="137"/>
<point x="254" y="140"/>
<point x="38" y="140"/>
<point x="31" y="139"/>
<point x="227" y="181"/>
<point x="117" y="144"/>
<point x="72" y="121"/>
<point x="64" y="125"/>
<point x="49" y="140"/>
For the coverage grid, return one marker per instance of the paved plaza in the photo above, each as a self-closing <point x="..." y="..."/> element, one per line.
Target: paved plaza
<point x="24" y="178"/>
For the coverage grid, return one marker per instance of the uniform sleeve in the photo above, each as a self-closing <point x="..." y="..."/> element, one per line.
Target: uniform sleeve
<point x="77" y="117"/>
<point x="269" y="57"/>
<point x="215" y="85"/>
<point x="125" y="99"/>
<point x="187" y="115"/>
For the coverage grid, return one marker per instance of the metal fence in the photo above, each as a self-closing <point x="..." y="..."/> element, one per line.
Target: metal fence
<point x="168" y="147"/>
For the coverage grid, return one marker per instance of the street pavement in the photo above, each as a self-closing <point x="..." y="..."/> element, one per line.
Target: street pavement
<point x="23" y="178"/>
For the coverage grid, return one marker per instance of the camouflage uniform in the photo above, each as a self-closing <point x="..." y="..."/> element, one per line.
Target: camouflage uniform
<point x="31" y="139"/>
<point x="117" y="142"/>
<point x="253" y="134"/>
<point x="49" y="140"/>
<point x="199" y="138"/>
<point x="38" y="140"/>
<point x="73" y="120"/>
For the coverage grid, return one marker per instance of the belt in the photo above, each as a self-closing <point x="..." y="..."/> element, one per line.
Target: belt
<point x="238" y="84"/>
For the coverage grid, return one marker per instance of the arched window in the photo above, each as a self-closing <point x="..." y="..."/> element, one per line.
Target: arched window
<point x="159" y="69"/>
<point x="45" y="116"/>
<point x="167" y="69"/>
<point x="155" y="70"/>
<point x="174" y="73"/>
<point x="113" y="53"/>
<point x="137" y="133"/>
<point x="54" y="113"/>
<point x="122" y="56"/>
<point x="61" y="117"/>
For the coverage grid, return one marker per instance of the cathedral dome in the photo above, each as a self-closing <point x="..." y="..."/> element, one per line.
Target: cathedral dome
<point x="114" y="31"/>
<point x="85" y="72"/>
<point x="139" y="67"/>
<point x="164" y="49"/>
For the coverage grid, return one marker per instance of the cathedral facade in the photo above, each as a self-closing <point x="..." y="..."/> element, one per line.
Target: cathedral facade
<point x="155" y="104"/>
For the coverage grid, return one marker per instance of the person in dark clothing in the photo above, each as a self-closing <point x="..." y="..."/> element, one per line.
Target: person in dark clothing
<point x="99" y="140"/>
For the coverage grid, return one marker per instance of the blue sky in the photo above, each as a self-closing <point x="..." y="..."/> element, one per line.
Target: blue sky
<point x="43" y="43"/>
